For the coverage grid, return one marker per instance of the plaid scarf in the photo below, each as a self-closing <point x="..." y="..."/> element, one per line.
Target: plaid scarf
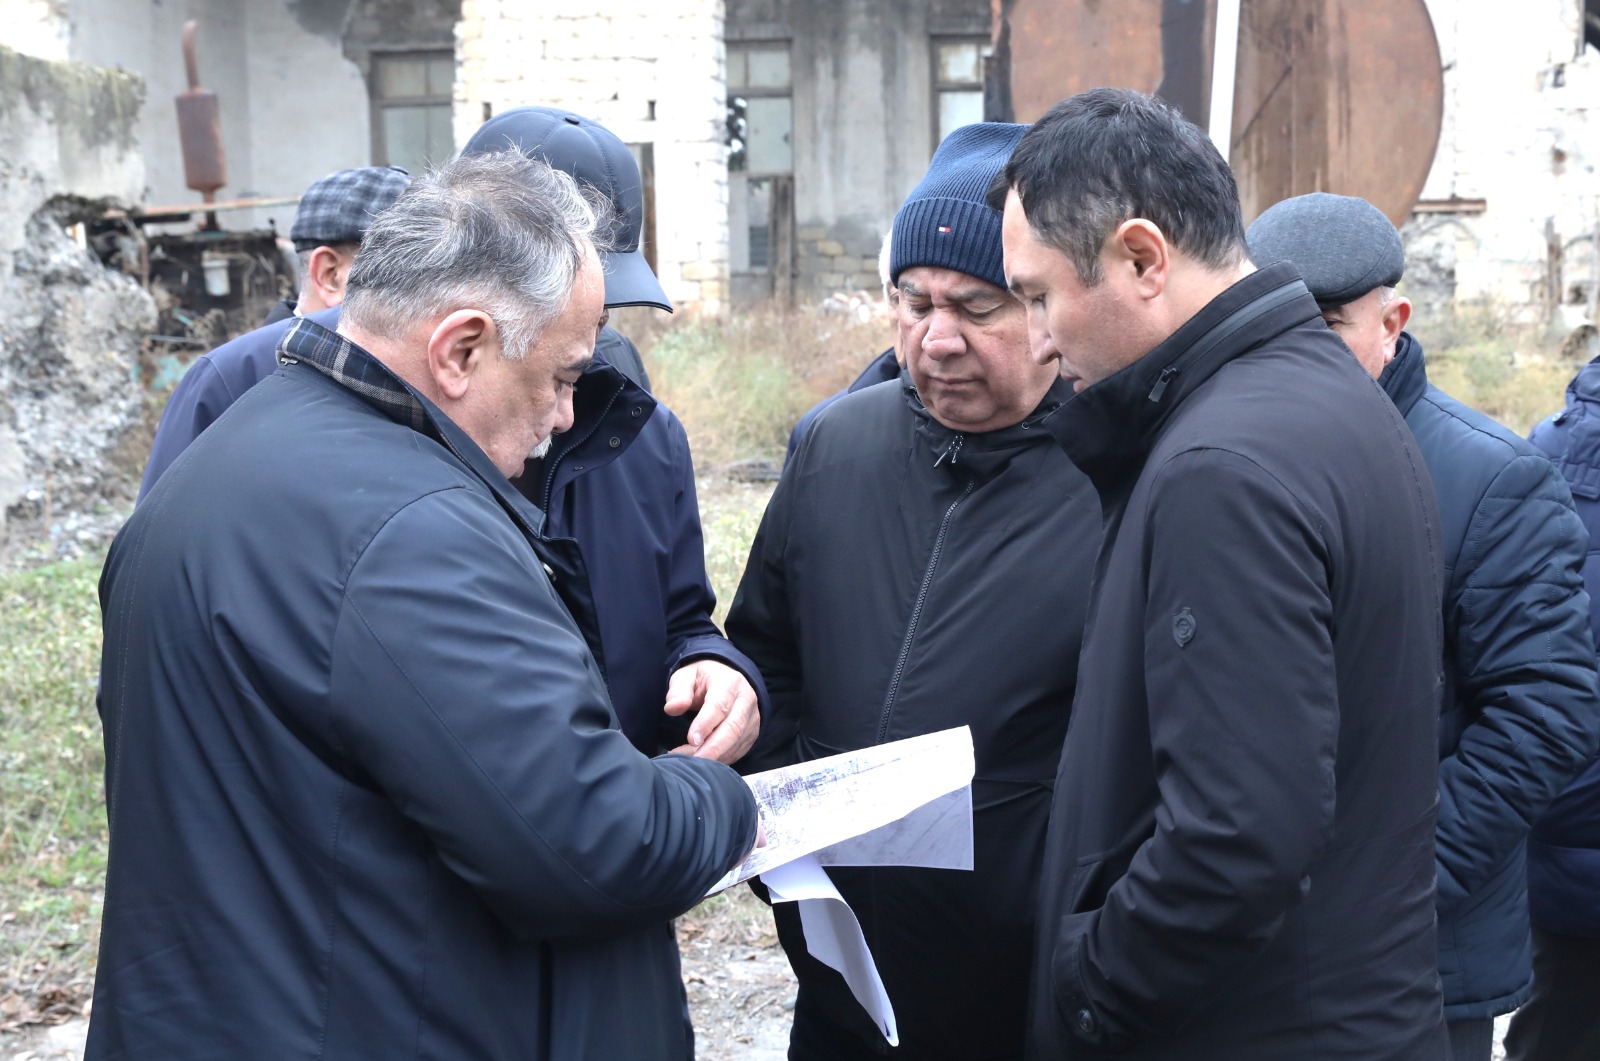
<point x="352" y="367"/>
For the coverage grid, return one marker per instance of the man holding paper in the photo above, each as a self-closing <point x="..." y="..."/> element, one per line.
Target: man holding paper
<point x="923" y="565"/>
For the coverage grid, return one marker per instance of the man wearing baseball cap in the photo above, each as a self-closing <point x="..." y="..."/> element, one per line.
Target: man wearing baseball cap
<point x="619" y="483"/>
<point x="1521" y="711"/>
<point x="924" y="564"/>
<point x="328" y="225"/>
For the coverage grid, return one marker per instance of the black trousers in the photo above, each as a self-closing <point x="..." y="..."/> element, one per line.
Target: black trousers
<point x="1561" y="1021"/>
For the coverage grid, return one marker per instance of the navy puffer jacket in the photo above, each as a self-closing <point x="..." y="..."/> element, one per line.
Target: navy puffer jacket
<point x="1521" y="710"/>
<point x="1564" y="852"/>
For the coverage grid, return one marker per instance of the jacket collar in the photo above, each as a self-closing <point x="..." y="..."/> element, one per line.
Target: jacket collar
<point x="371" y="381"/>
<point x="978" y="454"/>
<point x="1405" y="378"/>
<point x="609" y="410"/>
<point x="1585" y="386"/>
<point x="1109" y="427"/>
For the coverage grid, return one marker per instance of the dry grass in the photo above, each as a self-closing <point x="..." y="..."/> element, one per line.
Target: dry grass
<point x="739" y="384"/>
<point x="1516" y="374"/>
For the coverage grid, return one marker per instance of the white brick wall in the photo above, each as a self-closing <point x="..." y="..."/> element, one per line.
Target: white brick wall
<point x="611" y="64"/>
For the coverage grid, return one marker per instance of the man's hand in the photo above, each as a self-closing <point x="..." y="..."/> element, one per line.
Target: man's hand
<point x="728" y="718"/>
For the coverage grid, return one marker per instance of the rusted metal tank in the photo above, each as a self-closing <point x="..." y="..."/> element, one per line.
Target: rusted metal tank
<point x="200" y="130"/>
<point x="1343" y="96"/>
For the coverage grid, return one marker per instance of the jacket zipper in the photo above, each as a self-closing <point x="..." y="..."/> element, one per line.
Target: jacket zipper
<point x="555" y="462"/>
<point x="1161" y="382"/>
<point x="916" y="614"/>
<point x="952" y="451"/>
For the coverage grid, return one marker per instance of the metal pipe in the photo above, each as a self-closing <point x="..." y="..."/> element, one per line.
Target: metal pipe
<point x="1224" y="68"/>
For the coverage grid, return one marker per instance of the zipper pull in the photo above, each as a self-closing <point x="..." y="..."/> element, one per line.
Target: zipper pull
<point x="1161" y="382"/>
<point x="952" y="450"/>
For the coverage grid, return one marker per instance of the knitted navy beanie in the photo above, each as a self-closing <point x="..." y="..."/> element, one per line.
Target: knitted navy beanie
<point x="945" y="221"/>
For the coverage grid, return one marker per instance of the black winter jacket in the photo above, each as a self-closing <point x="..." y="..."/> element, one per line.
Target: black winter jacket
<point x="1240" y="853"/>
<point x="907" y="579"/>
<point x="1521" y="710"/>
<point x="367" y="796"/>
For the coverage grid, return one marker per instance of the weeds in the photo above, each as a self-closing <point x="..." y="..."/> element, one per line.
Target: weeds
<point x="52" y="808"/>
<point x="1517" y="375"/>
<point x="740" y="384"/>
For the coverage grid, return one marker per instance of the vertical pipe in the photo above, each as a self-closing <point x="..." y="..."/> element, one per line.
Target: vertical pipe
<point x="1224" y="66"/>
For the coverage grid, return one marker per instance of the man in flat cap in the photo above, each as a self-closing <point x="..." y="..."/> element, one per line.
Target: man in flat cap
<point x="328" y="225"/>
<point x="1521" y="712"/>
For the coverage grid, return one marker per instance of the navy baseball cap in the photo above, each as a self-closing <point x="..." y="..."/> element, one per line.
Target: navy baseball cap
<point x="595" y="156"/>
<point x="339" y="207"/>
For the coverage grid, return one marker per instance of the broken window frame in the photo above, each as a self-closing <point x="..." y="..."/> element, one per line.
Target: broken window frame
<point x="382" y="103"/>
<point x="943" y="87"/>
<point x="743" y="177"/>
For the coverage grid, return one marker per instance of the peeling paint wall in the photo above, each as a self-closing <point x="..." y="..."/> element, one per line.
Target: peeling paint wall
<point x="1512" y="204"/>
<point x="652" y="73"/>
<point x="70" y="332"/>
<point x="293" y="106"/>
<point x="864" y="118"/>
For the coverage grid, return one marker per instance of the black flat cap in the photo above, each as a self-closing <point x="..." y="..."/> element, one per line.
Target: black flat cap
<point x="1343" y="246"/>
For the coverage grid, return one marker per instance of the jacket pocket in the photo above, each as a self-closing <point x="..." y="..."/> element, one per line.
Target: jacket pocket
<point x="1094" y="875"/>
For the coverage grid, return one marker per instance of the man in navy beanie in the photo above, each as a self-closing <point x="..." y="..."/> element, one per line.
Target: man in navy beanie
<point x="924" y="564"/>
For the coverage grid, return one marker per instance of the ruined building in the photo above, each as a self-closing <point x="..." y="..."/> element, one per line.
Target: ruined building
<point x="778" y="136"/>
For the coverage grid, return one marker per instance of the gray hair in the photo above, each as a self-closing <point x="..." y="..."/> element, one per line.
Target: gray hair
<point x="498" y="232"/>
<point x="883" y="262"/>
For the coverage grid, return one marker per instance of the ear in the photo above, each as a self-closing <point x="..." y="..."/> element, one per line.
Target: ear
<point x="1141" y="251"/>
<point x="326" y="272"/>
<point x="1395" y="317"/>
<point x="460" y="345"/>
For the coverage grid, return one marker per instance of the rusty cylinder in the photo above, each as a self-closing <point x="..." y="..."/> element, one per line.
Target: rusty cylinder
<point x="200" y="128"/>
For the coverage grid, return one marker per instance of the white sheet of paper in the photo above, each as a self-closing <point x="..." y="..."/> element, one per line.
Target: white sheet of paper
<point x="833" y="935"/>
<point x="937" y="835"/>
<point x="813" y="805"/>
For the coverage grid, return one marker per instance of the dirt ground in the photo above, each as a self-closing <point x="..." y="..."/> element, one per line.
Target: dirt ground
<point x="741" y="992"/>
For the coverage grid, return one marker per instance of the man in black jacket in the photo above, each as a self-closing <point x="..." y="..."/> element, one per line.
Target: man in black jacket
<point x="1521" y="713"/>
<point x="924" y="564"/>
<point x="1240" y="854"/>
<point x="367" y="796"/>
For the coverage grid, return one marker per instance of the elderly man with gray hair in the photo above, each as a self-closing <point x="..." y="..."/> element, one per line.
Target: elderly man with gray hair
<point x="367" y="795"/>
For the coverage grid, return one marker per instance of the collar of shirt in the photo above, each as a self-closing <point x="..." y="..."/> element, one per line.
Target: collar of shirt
<point x="307" y="342"/>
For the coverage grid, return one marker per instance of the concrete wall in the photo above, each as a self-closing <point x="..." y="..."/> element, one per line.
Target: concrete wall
<point x="70" y="332"/>
<point x="863" y="119"/>
<point x="293" y="108"/>
<point x="1520" y="133"/>
<point x="652" y="72"/>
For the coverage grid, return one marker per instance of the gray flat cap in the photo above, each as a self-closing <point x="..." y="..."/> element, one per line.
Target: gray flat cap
<point x="339" y="207"/>
<point x="1343" y="246"/>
